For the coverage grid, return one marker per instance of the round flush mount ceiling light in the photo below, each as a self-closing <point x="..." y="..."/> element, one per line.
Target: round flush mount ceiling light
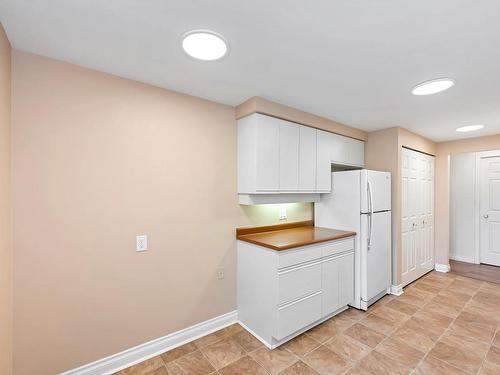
<point x="204" y="45"/>
<point x="469" y="128"/>
<point x="433" y="86"/>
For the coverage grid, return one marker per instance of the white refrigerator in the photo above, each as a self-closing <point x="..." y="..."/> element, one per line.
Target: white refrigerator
<point x="360" y="201"/>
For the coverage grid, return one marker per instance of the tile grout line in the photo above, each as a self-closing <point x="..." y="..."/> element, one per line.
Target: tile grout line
<point x="394" y="330"/>
<point x="447" y="330"/>
<point x="491" y="341"/>
<point x="412" y="370"/>
<point x="426" y="354"/>
<point x="443" y="286"/>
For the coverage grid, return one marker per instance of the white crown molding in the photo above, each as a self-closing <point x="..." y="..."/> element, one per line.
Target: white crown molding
<point x="140" y="353"/>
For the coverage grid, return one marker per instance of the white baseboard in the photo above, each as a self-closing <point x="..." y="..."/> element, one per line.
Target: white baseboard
<point x="442" y="267"/>
<point x="140" y="353"/>
<point x="396" y="290"/>
<point x="462" y="258"/>
<point x="255" y="335"/>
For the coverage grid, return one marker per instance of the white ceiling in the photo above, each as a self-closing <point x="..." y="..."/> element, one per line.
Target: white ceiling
<point x="354" y="61"/>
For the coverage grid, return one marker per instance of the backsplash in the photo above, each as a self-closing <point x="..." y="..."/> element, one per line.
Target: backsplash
<point x="266" y="214"/>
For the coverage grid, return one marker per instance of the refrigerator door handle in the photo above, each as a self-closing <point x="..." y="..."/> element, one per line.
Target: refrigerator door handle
<point x="370" y="215"/>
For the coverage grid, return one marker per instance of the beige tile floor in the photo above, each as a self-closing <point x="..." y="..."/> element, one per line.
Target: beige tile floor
<point x="443" y="324"/>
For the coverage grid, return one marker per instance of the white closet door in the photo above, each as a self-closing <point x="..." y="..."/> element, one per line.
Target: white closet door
<point x="417" y="215"/>
<point x="409" y="192"/>
<point x="426" y="247"/>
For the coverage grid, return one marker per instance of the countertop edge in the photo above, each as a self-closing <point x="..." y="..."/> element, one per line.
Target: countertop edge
<point x="297" y="244"/>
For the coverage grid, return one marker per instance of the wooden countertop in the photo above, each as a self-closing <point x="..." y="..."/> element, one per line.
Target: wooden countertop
<point x="290" y="235"/>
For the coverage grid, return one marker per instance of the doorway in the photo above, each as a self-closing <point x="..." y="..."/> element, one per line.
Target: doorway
<point x="475" y="208"/>
<point x="489" y="208"/>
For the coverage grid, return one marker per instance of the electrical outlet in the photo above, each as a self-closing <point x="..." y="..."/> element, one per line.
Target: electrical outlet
<point x="220" y="274"/>
<point x="141" y="242"/>
<point x="282" y="213"/>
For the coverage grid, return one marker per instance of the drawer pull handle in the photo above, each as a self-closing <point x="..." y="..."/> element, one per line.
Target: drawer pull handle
<point x="298" y="267"/>
<point x="337" y="256"/>
<point x="288" y="304"/>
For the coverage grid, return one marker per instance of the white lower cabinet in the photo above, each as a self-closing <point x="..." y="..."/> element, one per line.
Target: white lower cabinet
<point x="284" y="293"/>
<point x="338" y="282"/>
<point x="299" y="313"/>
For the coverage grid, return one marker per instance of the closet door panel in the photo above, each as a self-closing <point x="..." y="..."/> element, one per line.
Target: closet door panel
<point x="417" y="214"/>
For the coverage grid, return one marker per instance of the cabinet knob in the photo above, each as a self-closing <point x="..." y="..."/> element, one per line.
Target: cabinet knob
<point x="486" y="216"/>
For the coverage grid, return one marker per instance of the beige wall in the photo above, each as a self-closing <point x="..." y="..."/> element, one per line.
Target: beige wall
<point x="443" y="152"/>
<point x="5" y="209"/>
<point x="97" y="160"/>
<point x="383" y="152"/>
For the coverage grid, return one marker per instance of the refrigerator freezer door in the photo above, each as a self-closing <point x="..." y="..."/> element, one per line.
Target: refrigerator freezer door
<point x="379" y="184"/>
<point x="376" y="259"/>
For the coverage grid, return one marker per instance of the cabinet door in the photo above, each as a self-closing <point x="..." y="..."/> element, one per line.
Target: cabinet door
<point x="323" y="161"/>
<point x="355" y="152"/>
<point x="330" y="286"/>
<point x="267" y="143"/>
<point x="338" y="149"/>
<point x="337" y="282"/>
<point x="346" y="279"/>
<point x="288" y="156"/>
<point x="307" y="159"/>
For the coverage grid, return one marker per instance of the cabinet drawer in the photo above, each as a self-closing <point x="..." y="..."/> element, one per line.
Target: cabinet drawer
<point x="289" y="258"/>
<point x="298" y="314"/>
<point x="338" y="247"/>
<point x="296" y="282"/>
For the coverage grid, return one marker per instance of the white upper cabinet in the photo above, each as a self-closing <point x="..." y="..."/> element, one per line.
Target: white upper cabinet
<point x="307" y="159"/>
<point x="267" y="152"/>
<point x="323" y="161"/>
<point x="347" y="151"/>
<point x="289" y="139"/>
<point x="355" y="152"/>
<point x="278" y="156"/>
<point x="338" y="149"/>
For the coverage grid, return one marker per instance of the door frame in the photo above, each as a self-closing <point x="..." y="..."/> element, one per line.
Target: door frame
<point x="477" y="201"/>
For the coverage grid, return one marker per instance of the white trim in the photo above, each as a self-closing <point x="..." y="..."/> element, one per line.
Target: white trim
<point x="269" y="346"/>
<point x="477" y="197"/>
<point x="442" y="267"/>
<point x="396" y="290"/>
<point x="140" y="353"/>
<point x="274" y="198"/>
<point x="462" y="258"/>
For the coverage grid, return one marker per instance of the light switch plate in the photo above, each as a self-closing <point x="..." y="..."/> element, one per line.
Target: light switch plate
<point x="141" y="242"/>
